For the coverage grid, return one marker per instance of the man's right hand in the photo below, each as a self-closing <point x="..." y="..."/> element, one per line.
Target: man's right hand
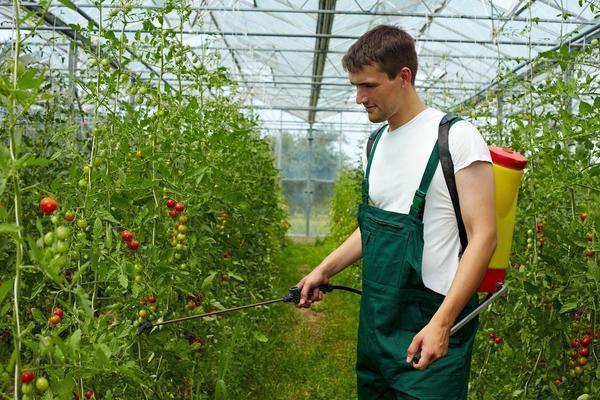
<point x="311" y="281"/>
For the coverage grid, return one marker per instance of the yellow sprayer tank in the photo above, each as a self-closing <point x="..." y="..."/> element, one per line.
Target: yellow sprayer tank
<point x="508" y="171"/>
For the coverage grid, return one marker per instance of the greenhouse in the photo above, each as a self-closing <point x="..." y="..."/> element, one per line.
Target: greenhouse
<point x="171" y="171"/>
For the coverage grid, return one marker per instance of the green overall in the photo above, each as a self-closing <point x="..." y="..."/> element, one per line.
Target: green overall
<point x="395" y="306"/>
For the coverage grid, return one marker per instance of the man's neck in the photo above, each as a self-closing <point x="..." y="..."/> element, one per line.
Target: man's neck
<point x="412" y="106"/>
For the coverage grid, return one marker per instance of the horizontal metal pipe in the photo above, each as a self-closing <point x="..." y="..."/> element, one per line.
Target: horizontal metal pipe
<point x="354" y="12"/>
<point x="302" y="36"/>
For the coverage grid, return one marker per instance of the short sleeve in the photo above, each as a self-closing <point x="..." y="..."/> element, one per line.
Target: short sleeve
<point x="364" y="156"/>
<point x="466" y="145"/>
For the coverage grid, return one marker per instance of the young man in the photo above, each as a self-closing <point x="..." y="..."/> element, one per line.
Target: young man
<point x="415" y="284"/>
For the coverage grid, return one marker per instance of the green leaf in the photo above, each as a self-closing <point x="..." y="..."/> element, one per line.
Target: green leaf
<point x="64" y="386"/>
<point x="236" y="277"/>
<point x="74" y="340"/>
<point x="103" y="354"/>
<point x="67" y="3"/>
<point x="123" y="281"/>
<point x="10" y="229"/>
<point x="5" y="289"/>
<point x="260" y="337"/>
<point x="29" y="81"/>
<point x="567" y="307"/>
<point x="221" y="390"/>
<point x="208" y="280"/>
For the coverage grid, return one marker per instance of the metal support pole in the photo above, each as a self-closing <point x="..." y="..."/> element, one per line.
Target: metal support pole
<point x="309" y="186"/>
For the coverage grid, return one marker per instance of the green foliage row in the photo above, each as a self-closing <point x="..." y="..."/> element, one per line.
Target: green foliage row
<point x="112" y="156"/>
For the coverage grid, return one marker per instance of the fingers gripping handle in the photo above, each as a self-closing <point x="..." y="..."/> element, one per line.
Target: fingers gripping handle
<point x="294" y="295"/>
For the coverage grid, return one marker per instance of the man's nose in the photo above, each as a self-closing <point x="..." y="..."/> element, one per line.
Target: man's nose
<point x="360" y="97"/>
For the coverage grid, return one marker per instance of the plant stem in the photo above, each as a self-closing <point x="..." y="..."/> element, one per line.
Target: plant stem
<point x="17" y="200"/>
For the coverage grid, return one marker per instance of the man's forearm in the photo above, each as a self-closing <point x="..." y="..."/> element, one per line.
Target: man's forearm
<point x="471" y="270"/>
<point x="346" y="254"/>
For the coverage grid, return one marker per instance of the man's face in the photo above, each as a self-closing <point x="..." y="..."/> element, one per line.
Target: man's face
<point x="380" y="95"/>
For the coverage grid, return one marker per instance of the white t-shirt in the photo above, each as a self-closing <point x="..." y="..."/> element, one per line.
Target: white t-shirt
<point x="398" y="165"/>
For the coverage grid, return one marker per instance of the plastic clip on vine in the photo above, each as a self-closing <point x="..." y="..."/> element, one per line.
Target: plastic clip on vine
<point x="292" y="297"/>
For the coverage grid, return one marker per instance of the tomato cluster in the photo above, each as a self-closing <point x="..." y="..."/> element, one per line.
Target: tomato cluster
<point x="56" y="317"/>
<point x="127" y="237"/>
<point x="494" y="340"/>
<point x="27" y="385"/>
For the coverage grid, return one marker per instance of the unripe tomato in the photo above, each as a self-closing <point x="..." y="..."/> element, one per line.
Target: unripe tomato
<point x="82" y="183"/>
<point x="59" y="312"/>
<point x="529" y="232"/>
<point x="133" y="244"/>
<point x="139" y="154"/>
<point x="583" y="216"/>
<point x="225" y="276"/>
<point x="171" y="203"/>
<point x="81" y="223"/>
<point x="151" y="299"/>
<point x="589" y="236"/>
<point x="181" y="237"/>
<point x="63" y="232"/>
<point x="49" y="238"/>
<point x="183" y="219"/>
<point x="41" y="384"/>
<point x="589" y="252"/>
<point x="182" y="229"/>
<point x="27" y="376"/>
<point x="70" y="216"/>
<point x="54" y="320"/>
<point x="138" y="278"/>
<point x="48" y="205"/>
<point x="143" y="313"/>
<point x="582" y="361"/>
<point x="27" y="388"/>
<point x="179" y="207"/>
<point x="126" y="235"/>
<point x="61" y="246"/>
<point x="138" y="267"/>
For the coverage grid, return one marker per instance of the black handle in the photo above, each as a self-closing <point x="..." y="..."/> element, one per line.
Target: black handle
<point x="294" y="296"/>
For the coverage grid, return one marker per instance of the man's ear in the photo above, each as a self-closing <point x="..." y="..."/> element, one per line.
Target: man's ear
<point x="405" y="76"/>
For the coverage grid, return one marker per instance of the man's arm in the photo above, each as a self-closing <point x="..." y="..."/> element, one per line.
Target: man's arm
<point x="475" y="186"/>
<point x="337" y="260"/>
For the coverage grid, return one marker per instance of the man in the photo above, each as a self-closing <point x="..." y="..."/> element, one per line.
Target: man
<point x="415" y="284"/>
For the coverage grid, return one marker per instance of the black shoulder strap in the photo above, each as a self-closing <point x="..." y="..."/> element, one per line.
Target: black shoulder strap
<point x="448" y="169"/>
<point x="372" y="138"/>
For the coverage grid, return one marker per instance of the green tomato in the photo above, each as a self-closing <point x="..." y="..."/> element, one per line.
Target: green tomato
<point x="138" y="267"/>
<point x="41" y="384"/>
<point x="82" y="183"/>
<point x="86" y="169"/>
<point x="63" y="232"/>
<point x="25" y="397"/>
<point x="138" y="278"/>
<point x="106" y="62"/>
<point x="49" y="238"/>
<point x="62" y="247"/>
<point x="54" y="219"/>
<point x="40" y="243"/>
<point x="81" y="223"/>
<point x="26" y="388"/>
<point x="81" y="236"/>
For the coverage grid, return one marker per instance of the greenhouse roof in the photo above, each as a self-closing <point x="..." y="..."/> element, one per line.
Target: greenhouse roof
<point x="286" y="55"/>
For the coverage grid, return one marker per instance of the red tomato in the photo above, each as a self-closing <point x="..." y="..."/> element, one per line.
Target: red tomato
<point x="499" y="340"/>
<point x="48" y="205"/>
<point x="586" y="340"/>
<point x="179" y="207"/>
<point x="170" y="203"/>
<point x="58" y="312"/>
<point x="575" y="343"/>
<point x="584" y="351"/>
<point x="27" y="376"/>
<point x="173" y="213"/>
<point x="89" y="394"/>
<point x="151" y="299"/>
<point x="126" y="235"/>
<point x="133" y="244"/>
<point x="583" y="216"/>
<point x="582" y="361"/>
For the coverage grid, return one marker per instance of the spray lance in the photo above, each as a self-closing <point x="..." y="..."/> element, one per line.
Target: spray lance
<point x="294" y="297"/>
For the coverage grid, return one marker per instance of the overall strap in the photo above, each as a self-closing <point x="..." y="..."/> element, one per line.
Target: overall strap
<point x="371" y="146"/>
<point x="418" y="204"/>
<point x="448" y="170"/>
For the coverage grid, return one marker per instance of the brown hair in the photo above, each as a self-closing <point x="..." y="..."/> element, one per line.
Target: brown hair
<point x="386" y="47"/>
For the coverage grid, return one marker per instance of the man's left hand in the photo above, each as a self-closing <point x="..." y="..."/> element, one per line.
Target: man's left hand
<point x="432" y="341"/>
